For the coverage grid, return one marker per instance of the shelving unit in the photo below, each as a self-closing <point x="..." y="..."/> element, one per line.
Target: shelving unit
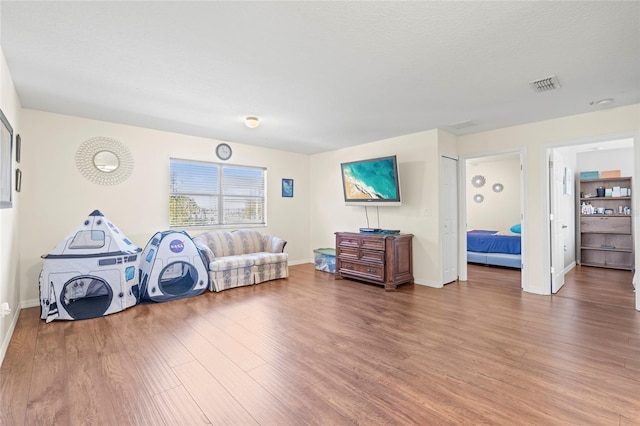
<point x="606" y="240"/>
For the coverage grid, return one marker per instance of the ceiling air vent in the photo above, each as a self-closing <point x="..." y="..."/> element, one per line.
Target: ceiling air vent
<point x="545" y="84"/>
<point x="462" y="124"/>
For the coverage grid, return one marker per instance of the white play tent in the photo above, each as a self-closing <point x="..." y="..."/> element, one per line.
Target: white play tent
<point x="91" y="273"/>
<point x="171" y="267"/>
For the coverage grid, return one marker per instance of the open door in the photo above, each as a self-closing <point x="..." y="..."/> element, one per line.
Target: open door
<point x="557" y="185"/>
<point x="449" y="218"/>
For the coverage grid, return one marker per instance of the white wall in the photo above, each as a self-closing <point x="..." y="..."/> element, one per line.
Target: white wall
<point x="56" y="198"/>
<point x="607" y="159"/>
<point x="499" y="210"/>
<point x="418" y="161"/>
<point x="536" y="138"/>
<point x="9" y="234"/>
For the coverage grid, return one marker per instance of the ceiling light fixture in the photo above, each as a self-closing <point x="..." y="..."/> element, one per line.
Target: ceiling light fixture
<point x="601" y="102"/>
<point x="252" y="122"/>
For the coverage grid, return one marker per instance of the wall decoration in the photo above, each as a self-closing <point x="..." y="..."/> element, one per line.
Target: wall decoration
<point x="104" y="161"/>
<point x="6" y="145"/>
<point x="18" y="180"/>
<point x="18" y="148"/>
<point x="478" y="198"/>
<point x="478" y="181"/>
<point x="497" y="187"/>
<point x="287" y="187"/>
<point x="567" y="181"/>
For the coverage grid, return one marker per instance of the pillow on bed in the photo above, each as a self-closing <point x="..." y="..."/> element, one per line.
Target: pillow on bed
<point x="516" y="228"/>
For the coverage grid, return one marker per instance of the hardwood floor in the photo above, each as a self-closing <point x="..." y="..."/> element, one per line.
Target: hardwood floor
<point x="314" y="350"/>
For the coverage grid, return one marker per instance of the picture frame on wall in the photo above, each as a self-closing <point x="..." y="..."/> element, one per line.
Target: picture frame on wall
<point x="287" y="187"/>
<point x="6" y="155"/>
<point x="18" y="147"/>
<point x="18" y="180"/>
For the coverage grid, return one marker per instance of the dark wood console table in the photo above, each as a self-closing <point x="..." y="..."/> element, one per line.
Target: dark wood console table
<point x="375" y="258"/>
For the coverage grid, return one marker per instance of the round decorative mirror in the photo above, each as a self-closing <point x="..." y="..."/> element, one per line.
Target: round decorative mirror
<point x="497" y="187"/>
<point x="478" y="181"/>
<point x="106" y="161"/>
<point x="478" y="198"/>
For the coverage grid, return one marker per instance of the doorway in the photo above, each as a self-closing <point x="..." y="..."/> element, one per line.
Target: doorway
<point x="492" y="211"/>
<point x="604" y="155"/>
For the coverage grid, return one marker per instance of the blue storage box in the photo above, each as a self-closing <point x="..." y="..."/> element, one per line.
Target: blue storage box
<point x="325" y="259"/>
<point x="589" y="175"/>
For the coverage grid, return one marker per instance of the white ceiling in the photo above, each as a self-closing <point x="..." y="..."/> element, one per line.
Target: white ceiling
<point x="320" y="75"/>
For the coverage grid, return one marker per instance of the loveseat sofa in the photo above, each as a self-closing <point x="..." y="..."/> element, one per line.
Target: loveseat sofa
<point x="242" y="257"/>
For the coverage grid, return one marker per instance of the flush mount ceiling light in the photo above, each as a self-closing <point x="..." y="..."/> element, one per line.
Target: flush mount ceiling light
<point x="601" y="102"/>
<point x="251" y="122"/>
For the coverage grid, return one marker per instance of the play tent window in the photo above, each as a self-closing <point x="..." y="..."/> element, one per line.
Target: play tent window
<point x="206" y="194"/>
<point x="88" y="240"/>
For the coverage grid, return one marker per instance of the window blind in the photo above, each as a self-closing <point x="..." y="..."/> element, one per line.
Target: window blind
<point x="209" y="194"/>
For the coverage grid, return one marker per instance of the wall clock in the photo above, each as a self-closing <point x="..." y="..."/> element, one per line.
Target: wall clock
<point x="223" y="151"/>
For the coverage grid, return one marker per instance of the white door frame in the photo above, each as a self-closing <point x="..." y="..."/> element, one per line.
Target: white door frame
<point x="462" y="210"/>
<point x="634" y="206"/>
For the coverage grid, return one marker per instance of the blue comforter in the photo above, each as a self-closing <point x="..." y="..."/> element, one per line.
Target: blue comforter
<point x="487" y="242"/>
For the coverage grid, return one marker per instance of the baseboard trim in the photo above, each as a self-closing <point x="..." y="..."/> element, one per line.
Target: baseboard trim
<point x="7" y="337"/>
<point x="426" y="283"/>
<point x="29" y="303"/>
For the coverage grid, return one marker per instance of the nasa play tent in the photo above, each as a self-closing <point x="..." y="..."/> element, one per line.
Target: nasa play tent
<point x="91" y="273"/>
<point x="171" y="267"/>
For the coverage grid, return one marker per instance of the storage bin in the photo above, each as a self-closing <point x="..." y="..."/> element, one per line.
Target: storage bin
<point x="325" y="259"/>
<point x="589" y="175"/>
<point x="610" y="174"/>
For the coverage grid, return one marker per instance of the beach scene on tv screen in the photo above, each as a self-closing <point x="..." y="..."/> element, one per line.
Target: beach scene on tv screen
<point x="370" y="180"/>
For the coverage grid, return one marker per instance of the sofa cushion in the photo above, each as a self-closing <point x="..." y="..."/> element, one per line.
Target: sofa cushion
<point x="231" y="262"/>
<point x="264" y="258"/>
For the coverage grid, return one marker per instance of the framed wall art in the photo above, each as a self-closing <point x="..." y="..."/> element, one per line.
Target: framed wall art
<point x="6" y="145"/>
<point x="18" y="180"/>
<point x="18" y="147"/>
<point x="287" y="187"/>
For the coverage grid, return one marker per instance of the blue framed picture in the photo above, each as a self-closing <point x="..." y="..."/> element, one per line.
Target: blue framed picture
<point x="287" y="187"/>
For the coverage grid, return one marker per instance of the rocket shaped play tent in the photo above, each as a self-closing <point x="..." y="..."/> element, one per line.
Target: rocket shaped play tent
<point x="171" y="267"/>
<point x="91" y="273"/>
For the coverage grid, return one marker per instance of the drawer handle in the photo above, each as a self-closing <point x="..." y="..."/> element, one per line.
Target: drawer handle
<point x="370" y="270"/>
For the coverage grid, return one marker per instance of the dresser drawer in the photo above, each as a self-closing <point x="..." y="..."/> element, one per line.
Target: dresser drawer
<point x="604" y="224"/>
<point x="347" y="241"/>
<point x="348" y="253"/>
<point x="372" y="256"/>
<point x="373" y="273"/>
<point x="372" y="243"/>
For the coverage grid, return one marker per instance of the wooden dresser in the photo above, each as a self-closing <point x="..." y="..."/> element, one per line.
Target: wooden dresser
<point x="375" y="258"/>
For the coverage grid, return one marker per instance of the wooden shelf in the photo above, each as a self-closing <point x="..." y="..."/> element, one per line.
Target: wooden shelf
<point x="606" y="240"/>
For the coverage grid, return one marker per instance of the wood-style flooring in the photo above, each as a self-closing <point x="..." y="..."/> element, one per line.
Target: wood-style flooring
<point x="312" y="350"/>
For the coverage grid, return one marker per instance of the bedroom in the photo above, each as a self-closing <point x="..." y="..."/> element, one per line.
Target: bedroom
<point x="486" y="210"/>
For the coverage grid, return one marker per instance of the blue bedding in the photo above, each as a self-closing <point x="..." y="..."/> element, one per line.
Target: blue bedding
<point x="487" y="242"/>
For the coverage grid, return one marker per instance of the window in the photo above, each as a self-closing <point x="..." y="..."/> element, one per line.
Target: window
<point x="205" y="194"/>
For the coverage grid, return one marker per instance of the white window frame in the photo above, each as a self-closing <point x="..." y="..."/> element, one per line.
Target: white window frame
<point x="227" y="189"/>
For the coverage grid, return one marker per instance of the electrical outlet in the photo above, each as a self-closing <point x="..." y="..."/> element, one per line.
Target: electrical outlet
<point x="5" y="309"/>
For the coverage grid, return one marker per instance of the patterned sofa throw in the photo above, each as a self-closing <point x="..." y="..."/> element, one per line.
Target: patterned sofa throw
<point x="242" y="257"/>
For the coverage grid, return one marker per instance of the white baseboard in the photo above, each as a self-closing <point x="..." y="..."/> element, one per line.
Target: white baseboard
<point x="29" y="303"/>
<point x="7" y="338"/>
<point x="426" y="283"/>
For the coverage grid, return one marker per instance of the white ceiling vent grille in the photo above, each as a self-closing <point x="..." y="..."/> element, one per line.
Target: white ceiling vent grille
<point x="545" y="84"/>
<point x="462" y="124"/>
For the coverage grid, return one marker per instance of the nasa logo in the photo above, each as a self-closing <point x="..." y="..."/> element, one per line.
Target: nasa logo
<point x="176" y="246"/>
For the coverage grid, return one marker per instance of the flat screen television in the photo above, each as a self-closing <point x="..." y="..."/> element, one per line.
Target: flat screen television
<point x="372" y="182"/>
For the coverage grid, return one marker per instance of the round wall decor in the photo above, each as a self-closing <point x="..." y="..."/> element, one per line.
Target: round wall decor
<point x="497" y="187"/>
<point x="478" y="181"/>
<point x="104" y="161"/>
<point x="478" y="198"/>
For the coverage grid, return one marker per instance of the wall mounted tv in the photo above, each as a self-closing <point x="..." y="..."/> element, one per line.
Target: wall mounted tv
<point x="372" y="182"/>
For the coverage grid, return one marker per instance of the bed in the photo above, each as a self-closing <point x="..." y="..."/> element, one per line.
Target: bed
<point x="498" y="248"/>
